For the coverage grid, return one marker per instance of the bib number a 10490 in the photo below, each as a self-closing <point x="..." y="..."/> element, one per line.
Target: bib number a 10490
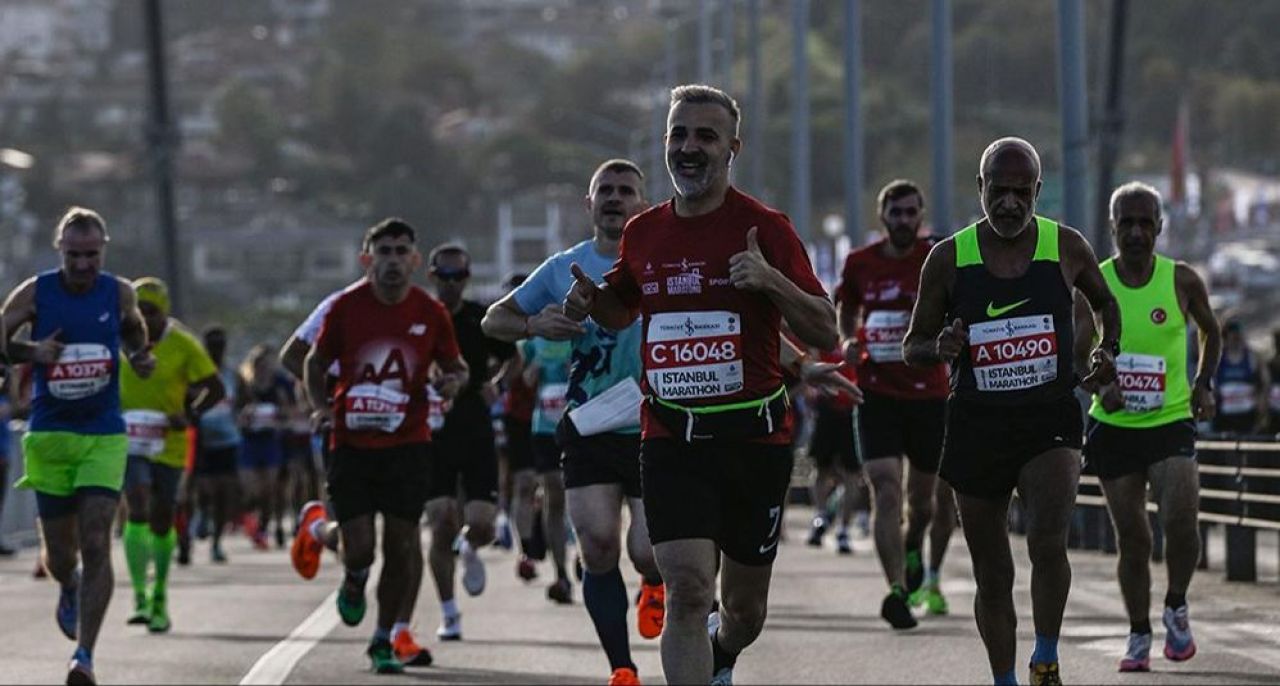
<point x="1014" y="354"/>
<point x="694" y="354"/>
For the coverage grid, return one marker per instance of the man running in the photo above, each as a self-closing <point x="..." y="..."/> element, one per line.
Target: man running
<point x="157" y="412"/>
<point x="834" y="448"/>
<point x="465" y="468"/>
<point x="995" y="302"/>
<point x="601" y="469"/>
<point x="217" y="446"/>
<point x="74" y="452"/>
<point x="904" y="410"/>
<point x="713" y="273"/>
<point x="1240" y="387"/>
<point x="1142" y="427"/>
<point x="385" y="333"/>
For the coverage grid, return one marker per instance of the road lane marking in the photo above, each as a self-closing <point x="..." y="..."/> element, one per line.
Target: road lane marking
<point x="276" y="664"/>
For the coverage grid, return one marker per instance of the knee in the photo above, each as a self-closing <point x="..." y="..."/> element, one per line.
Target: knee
<point x="995" y="585"/>
<point x="599" y="553"/>
<point x="357" y="553"/>
<point x="689" y="595"/>
<point x="744" y="611"/>
<point x="444" y="528"/>
<point x="1181" y="526"/>
<point x="921" y="507"/>
<point x="60" y="561"/>
<point x="525" y="486"/>
<point x="480" y="532"/>
<point x="1134" y="542"/>
<point x="1047" y="547"/>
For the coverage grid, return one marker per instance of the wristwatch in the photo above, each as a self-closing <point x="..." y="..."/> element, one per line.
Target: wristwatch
<point x="1113" y="347"/>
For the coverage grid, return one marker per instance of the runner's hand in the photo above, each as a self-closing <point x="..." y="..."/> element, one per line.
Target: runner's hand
<point x="581" y="297"/>
<point x="143" y="362"/>
<point x="951" y="340"/>
<point x="322" y="419"/>
<point x="448" y="385"/>
<point x="552" y="324"/>
<point x="852" y="351"/>
<point x="749" y="270"/>
<point x="1102" y="370"/>
<point x="1203" y="405"/>
<point x="48" y="349"/>
<point x="1111" y="397"/>
<point x="826" y="377"/>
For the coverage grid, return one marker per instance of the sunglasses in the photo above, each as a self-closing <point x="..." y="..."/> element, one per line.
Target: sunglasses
<point x="460" y="275"/>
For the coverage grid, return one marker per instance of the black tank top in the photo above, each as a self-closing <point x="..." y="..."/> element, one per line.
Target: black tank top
<point x="1020" y="329"/>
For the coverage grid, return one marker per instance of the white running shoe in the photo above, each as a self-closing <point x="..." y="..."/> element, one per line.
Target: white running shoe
<point x="723" y="677"/>
<point x="450" y="628"/>
<point x="1137" y="656"/>
<point x="1178" y="642"/>
<point x="473" y="574"/>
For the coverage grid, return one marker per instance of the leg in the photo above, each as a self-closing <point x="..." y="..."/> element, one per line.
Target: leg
<point x="442" y="513"/>
<point x="885" y="475"/>
<point x="596" y="512"/>
<point x="409" y="602"/>
<point x="553" y="512"/>
<point x="95" y="514"/>
<point x="689" y="568"/>
<point x="744" y="599"/>
<point x="1048" y="486"/>
<point x="138" y="539"/>
<point x="943" y="523"/>
<point x="1127" y="503"/>
<point x="479" y="516"/>
<point x="399" y="540"/>
<point x="638" y="547"/>
<point x="525" y="486"/>
<point x="60" y="546"/>
<point x="920" y="505"/>
<point x="985" y="523"/>
<point x="1176" y="482"/>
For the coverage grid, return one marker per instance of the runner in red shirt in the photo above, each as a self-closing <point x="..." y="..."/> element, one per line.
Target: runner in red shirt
<point x="386" y="334"/>
<point x="905" y="407"/>
<point x="713" y="273"/>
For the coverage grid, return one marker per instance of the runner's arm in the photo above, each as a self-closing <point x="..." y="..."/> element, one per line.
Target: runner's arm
<point x="133" y="328"/>
<point x="849" y="320"/>
<point x="1197" y="299"/>
<point x="293" y="355"/>
<point x="19" y="310"/>
<point x="204" y="394"/>
<point x="453" y="376"/>
<point x="1092" y="285"/>
<point x="314" y="375"/>
<point x="920" y="346"/>
<point x="1086" y="330"/>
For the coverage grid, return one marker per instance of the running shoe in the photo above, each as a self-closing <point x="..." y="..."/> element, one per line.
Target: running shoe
<point x="68" y="612"/>
<point x="409" y="652"/>
<point x="651" y="608"/>
<point x="351" y="604"/>
<point x="862" y="523"/>
<point x="914" y="568"/>
<point x="383" y="657"/>
<point x="724" y="675"/>
<point x="526" y="570"/>
<point x="217" y="556"/>
<point x="560" y="592"/>
<point x="895" y="611"/>
<point x="504" y="538"/>
<point x="1179" y="645"/>
<point x="80" y="669"/>
<point x="1137" y="655"/>
<point x="930" y="596"/>
<point x="450" y="628"/>
<point x="141" y="610"/>
<point x="817" y="530"/>
<point x="624" y="676"/>
<point x="306" y="549"/>
<point x="473" y="575"/>
<point x="159" y="622"/>
<point x="843" y="547"/>
<point x="1045" y="674"/>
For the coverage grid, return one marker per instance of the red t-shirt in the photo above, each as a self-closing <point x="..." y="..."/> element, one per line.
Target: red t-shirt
<point x="384" y="353"/>
<point x="521" y="399"/>
<point x="706" y="342"/>
<point x="841" y="401"/>
<point x="886" y="290"/>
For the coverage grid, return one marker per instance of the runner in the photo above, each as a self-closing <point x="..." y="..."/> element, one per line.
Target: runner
<point x="1241" y="385"/>
<point x="385" y="333"/>
<point x="1142" y="427"/>
<point x="601" y="470"/>
<point x="465" y="471"/>
<point x="74" y="452"/>
<point x="218" y="447"/>
<point x="905" y="407"/>
<point x="995" y="302"/>
<point x="157" y="412"/>
<point x="264" y="401"/>
<point x="834" y="449"/>
<point x="713" y="273"/>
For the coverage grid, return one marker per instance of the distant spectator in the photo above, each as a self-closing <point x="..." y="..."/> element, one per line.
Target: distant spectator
<point x="1273" y="390"/>
<point x="1240" y="385"/>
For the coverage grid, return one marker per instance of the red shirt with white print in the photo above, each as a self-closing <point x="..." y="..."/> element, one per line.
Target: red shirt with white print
<point x="706" y="342"/>
<point x="886" y="289"/>
<point x="384" y="354"/>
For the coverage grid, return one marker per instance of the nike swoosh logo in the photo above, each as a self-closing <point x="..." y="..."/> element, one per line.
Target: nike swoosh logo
<point x="993" y="311"/>
<point x="764" y="549"/>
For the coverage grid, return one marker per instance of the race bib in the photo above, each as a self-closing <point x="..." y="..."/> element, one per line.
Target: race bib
<point x="436" y="409"/>
<point x="370" y="407"/>
<point x="552" y="400"/>
<point x="1142" y="381"/>
<point x="82" y="370"/>
<point x="694" y="354"/>
<point x="885" y="330"/>
<point x="263" y="416"/>
<point x="1014" y="354"/>
<point x="146" y="430"/>
<point x="1237" y="397"/>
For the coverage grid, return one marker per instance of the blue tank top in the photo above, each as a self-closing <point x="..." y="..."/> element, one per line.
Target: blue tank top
<point x="1235" y="385"/>
<point x="80" y="393"/>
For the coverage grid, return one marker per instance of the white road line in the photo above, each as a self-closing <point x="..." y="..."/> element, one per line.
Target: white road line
<point x="276" y="664"/>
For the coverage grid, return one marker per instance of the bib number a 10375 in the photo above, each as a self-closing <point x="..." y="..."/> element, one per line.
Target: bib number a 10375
<point x="694" y="354"/>
<point x="82" y="370"/>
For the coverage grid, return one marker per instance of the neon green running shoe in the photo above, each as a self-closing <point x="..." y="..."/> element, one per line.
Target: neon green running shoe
<point x="159" y="622"/>
<point x="351" y="605"/>
<point x="931" y="597"/>
<point x="383" y="656"/>
<point x="141" y="610"/>
<point x="914" y="570"/>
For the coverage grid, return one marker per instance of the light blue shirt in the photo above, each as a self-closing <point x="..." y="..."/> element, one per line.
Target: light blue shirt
<point x="601" y="358"/>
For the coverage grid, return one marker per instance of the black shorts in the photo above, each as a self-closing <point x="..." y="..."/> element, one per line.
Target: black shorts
<point x="1111" y="452"/>
<point x="893" y="427"/>
<point x="160" y="480"/>
<point x="464" y="461"/>
<point x="608" y="458"/>
<point x="546" y="453"/>
<point x="217" y="461"/>
<point x="393" y="481"/>
<point x="731" y="492"/>
<point x="833" y="438"/>
<point x="519" y="444"/>
<point x="986" y="446"/>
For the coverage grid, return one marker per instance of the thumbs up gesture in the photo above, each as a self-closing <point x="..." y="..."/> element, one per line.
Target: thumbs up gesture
<point x="749" y="270"/>
<point x="48" y="349"/>
<point x="951" y="340"/>
<point x="581" y="296"/>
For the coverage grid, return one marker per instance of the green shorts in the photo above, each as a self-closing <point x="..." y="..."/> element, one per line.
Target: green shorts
<point x="60" y="462"/>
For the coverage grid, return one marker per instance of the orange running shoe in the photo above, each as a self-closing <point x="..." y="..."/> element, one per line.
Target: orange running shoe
<point x="650" y="609"/>
<point x="306" y="548"/>
<point x="624" y="676"/>
<point x="409" y="652"/>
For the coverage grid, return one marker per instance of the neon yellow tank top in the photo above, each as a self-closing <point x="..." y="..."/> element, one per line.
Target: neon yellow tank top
<point x="1152" y="366"/>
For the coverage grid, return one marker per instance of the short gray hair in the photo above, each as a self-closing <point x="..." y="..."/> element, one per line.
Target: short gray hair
<point x="1000" y="145"/>
<point x="697" y="93"/>
<point x="1136" y="189"/>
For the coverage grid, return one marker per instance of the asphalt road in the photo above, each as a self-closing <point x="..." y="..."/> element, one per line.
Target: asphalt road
<point x="254" y="621"/>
